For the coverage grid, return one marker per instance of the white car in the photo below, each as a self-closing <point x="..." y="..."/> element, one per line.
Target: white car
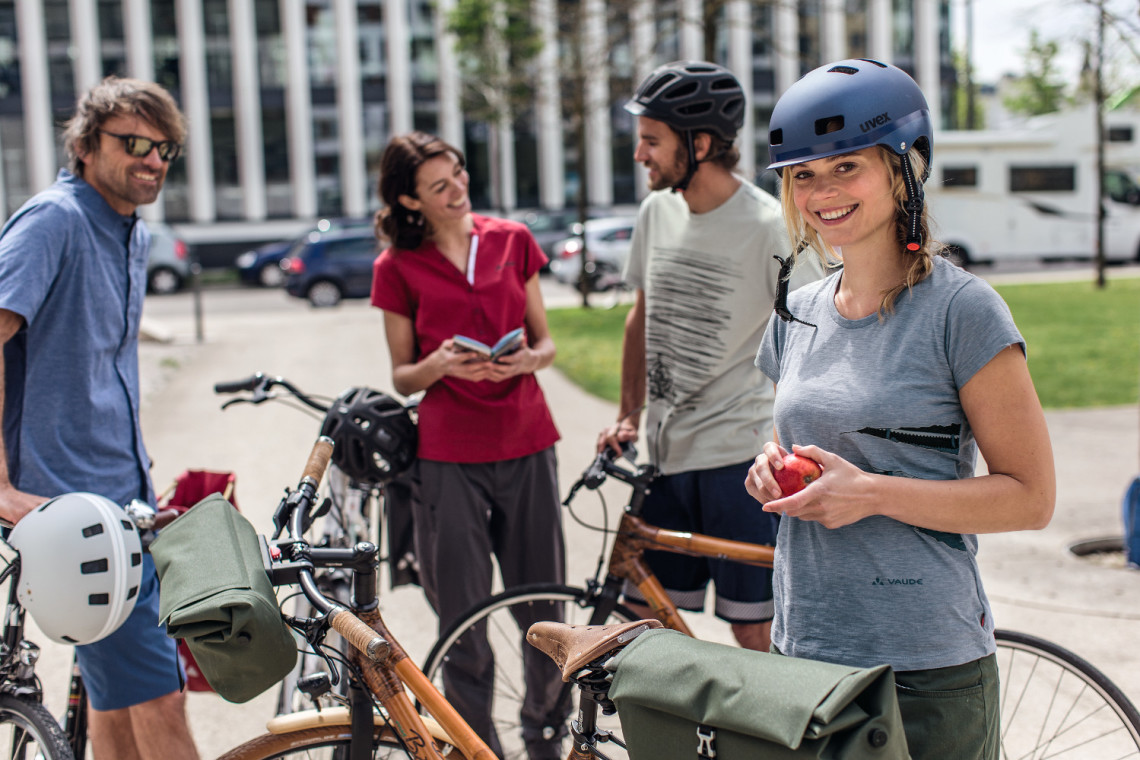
<point x="168" y="266"/>
<point x="608" y="241"/>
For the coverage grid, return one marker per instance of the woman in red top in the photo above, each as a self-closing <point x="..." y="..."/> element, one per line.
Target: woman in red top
<point x="487" y="468"/>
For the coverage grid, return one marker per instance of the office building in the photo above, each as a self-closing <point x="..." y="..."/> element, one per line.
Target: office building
<point x="290" y="102"/>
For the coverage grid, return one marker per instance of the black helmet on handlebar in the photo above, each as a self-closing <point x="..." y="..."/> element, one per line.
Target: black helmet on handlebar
<point x="374" y="436"/>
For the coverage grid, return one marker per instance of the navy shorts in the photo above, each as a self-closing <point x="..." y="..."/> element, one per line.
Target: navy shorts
<point x="136" y="663"/>
<point x="713" y="502"/>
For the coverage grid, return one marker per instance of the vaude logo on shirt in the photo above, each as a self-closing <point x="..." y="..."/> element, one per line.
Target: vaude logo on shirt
<point x="879" y="120"/>
<point x="897" y="582"/>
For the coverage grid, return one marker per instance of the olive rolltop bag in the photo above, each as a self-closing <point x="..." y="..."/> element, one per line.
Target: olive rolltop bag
<point x="215" y="594"/>
<point x="679" y="699"/>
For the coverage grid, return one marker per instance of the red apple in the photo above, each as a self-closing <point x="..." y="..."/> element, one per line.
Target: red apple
<point x="796" y="474"/>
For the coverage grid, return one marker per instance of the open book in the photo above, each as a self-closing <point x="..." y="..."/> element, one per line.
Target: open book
<point x="507" y="344"/>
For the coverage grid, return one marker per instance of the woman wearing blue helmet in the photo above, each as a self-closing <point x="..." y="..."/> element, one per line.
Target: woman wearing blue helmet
<point x="895" y="371"/>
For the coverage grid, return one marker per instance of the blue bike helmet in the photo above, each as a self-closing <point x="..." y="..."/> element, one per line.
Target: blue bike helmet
<point x="691" y="97"/>
<point x="849" y="105"/>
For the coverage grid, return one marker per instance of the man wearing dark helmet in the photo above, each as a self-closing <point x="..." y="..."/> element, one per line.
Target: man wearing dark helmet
<point x="702" y="262"/>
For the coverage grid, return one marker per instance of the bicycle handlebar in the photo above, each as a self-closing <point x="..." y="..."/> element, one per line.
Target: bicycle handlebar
<point x="605" y="464"/>
<point x="260" y="385"/>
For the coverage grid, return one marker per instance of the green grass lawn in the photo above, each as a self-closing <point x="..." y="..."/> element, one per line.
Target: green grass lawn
<point x="1084" y="343"/>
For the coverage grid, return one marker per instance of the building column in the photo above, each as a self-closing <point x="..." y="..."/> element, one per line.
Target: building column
<point x="599" y="154"/>
<point x="196" y="107"/>
<point x="927" y="57"/>
<point x="833" y="30"/>
<point x="447" y="72"/>
<point x="138" y="35"/>
<point x="247" y="109"/>
<point x="785" y="45"/>
<point x="692" y="31"/>
<point x="738" y="14"/>
<point x="87" y="64"/>
<point x="35" y="87"/>
<point x="397" y="39"/>
<point x="350" y="126"/>
<point x="548" y="111"/>
<point x="298" y="110"/>
<point x="644" y="37"/>
<point x="880" y="42"/>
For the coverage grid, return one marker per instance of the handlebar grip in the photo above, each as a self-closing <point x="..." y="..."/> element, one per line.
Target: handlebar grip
<point x="318" y="459"/>
<point x="359" y="635"/>
<point x="237" y="386"/>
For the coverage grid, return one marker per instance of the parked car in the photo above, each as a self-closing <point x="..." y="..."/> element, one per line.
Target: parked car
<point x="168" y="265"/>
<point x="608" y="243"/>
<point x="262" y="266"/>
<point x="325" y="267"/>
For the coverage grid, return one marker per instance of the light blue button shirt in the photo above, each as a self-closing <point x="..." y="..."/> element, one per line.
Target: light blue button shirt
<point x="75" y="269"/>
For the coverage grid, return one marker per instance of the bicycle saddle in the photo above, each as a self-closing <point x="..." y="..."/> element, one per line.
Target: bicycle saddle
<point x="572" y="647"/>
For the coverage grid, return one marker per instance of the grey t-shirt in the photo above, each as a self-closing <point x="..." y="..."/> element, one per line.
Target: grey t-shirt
<point x="709" y="282"/>
<point x="884" y="396"/>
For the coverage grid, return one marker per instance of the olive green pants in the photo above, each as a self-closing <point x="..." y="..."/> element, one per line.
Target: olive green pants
<point x="951" y="712"/>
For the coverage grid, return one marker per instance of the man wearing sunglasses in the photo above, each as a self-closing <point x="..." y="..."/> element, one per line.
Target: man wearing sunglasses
<point x="72" y="278"/>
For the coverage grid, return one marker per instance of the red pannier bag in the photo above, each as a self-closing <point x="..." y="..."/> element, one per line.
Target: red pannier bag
<point x="188" y="489"/>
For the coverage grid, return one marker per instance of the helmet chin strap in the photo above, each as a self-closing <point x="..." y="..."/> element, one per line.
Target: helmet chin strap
<point x="692" y="167"/>
<point x="914" y="203"/>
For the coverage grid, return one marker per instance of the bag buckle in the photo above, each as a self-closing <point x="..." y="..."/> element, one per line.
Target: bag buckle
<point x="706" y="741"/>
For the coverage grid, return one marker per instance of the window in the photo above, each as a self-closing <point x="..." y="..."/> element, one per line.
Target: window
<point x="959" y="176"/>
<point x="1024" y="179"/>
<point x="1120" y="134"/>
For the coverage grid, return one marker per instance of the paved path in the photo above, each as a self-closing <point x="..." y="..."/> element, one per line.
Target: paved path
<point x="1035" y="583"/>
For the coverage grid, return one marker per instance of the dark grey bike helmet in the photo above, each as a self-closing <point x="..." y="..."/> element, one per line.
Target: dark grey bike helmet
<point x="849" y="105"/>
<point x="374" y="436"/>
<point x="692" y="96"/>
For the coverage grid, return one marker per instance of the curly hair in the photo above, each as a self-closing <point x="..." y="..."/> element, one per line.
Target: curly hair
<point x="119" y="96"/>
<point x="399" y="164"/>
<point x="920" y="262"/>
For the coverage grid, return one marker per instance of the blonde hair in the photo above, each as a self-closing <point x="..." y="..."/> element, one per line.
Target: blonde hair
<point x="921" y="262"/>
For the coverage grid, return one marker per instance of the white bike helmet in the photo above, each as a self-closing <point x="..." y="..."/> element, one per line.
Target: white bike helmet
<point x="80" y="567"/>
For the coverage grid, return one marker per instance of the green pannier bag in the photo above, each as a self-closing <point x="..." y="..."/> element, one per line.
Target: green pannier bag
<point x="214" y="593"/>
<point x="680" y="698"/>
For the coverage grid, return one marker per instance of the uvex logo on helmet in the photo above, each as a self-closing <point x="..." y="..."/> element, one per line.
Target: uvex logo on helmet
<point x="878" y="121"/>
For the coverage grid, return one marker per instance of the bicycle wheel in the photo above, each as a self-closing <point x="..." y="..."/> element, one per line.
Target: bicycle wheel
<point x="29" y="732"/>
<point x="323" y="743"/>
<point x="1054" y="704"/>
<point x="502" y="621"/>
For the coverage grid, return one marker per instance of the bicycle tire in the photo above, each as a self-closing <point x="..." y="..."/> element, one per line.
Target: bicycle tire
<point x="27" y="729"/>
<point x="325" y="743"/>
<point x="507" y="642"/>
<point x="1055" y="704"/>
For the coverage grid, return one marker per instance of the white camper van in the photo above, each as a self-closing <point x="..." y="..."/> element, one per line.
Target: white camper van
<point x="1030" y="193"/>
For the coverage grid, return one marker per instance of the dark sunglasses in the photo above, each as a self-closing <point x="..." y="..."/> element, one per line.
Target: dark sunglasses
<point x="140" y="147"/>
<point x="782" y="287"/>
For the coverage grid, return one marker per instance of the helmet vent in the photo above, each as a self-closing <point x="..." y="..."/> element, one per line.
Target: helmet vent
<point x="127" y="525"/>
<point x="93" y="530"/>
<point x="843" y="70"/>
<point x="94" y="566"/>
<point x="696" y="109"/>
<point x="776" y="137"/>
<point x="133" y="592"/>
<point x="829" y="124"/>
<point x="724" y="83"/>
<point x="98" y="600"/>
<point x="136" y="559"/>
<point x="682" y="90"/>
<point x="655" y="87"/>
<point x="873" y="62"/>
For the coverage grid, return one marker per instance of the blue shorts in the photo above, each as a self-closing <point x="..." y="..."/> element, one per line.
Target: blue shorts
<point x="713" y="502"/>
<point x="136" y="663"/>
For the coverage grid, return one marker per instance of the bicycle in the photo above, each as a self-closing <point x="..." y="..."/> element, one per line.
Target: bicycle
<point x="1051" y="699"/>
<point x="351" y="511"/>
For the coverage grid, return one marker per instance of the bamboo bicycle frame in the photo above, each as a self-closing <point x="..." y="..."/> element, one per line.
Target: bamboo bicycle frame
<point x="627" y="560"/>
